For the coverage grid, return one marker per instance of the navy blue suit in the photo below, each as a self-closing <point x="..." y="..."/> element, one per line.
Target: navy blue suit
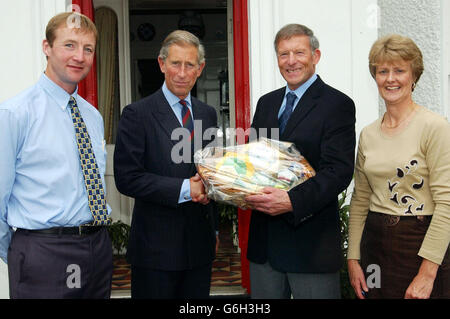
<point x="322" y="127"/>
<point x="165" y="235"/>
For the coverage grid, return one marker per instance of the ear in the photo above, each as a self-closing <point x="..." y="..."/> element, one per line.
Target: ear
<point x="316" y="56"/>
<point x="46" y="48"/>
<point x="200" y="69"/>
<point x="162" y="65"/>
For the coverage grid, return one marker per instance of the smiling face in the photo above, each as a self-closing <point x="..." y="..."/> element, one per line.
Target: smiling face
<point x="181" y="69"/>
<point x="70" y="57"/>
<point x="296" y="61"/>
<point x="395" y="81"/>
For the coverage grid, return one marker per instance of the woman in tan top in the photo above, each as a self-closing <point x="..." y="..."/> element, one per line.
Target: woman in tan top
<point x="399" y="227"/>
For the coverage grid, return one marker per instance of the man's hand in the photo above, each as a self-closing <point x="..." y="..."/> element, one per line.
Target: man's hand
<point x="273" y="202"/>
<point x="198" y="193"/>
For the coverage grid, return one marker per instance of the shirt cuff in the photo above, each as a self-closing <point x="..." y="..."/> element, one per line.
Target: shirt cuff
<point x="185" y="192"/>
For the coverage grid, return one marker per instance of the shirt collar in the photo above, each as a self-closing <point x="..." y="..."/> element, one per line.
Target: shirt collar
<point x="172" y="98"/>
<point x="57" y="93"/>
<point x="302" y="88"/>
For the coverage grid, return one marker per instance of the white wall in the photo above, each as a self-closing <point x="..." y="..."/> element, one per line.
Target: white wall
<point x="426" y="22"/>
<point x="345" y="30"/>
<point x="22" y="25"/>
<point x="445" y="14"/>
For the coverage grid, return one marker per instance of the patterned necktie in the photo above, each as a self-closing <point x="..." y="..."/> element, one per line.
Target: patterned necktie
<point x="91" y="173"/>
<point x="290" y="98"/>
<point x="187" y="118"/>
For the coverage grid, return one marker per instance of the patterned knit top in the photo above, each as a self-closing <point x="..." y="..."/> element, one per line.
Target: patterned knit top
<point x="404" y="174"/>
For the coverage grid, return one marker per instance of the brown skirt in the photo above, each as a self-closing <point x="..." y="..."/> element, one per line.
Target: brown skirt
<point x="389" y="248"/>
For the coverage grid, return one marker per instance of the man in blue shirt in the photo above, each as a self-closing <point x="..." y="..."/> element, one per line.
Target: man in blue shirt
<point x="52" y="168"/>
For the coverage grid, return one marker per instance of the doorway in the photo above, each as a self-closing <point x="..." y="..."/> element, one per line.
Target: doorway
<point x="151" y="21"/>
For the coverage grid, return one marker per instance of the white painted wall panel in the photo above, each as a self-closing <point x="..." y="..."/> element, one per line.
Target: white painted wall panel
<point x="422" y="21"/>
<point x="23" y="25"/>
<point x="345" y="30"/>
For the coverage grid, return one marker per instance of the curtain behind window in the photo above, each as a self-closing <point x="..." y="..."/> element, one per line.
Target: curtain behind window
<point x="107" y="67"/>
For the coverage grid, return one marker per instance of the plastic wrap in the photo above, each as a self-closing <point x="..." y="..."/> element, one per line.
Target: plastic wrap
<point x="231" y="173"/>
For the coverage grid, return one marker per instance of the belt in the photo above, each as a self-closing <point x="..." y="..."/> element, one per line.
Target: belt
<point x="393" y="220"/>
<point x="78" y="230"/>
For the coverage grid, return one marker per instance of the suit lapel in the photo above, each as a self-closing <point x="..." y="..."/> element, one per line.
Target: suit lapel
<point x="268" y="112"/>
<point x="278" y="100"/>
<point x="197" y="111"/>
<point x="304" y="106"/>
<point x="165" y="116"/>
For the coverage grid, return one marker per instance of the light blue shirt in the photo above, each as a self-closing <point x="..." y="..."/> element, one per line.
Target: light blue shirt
<point x="298" y="92"/>
<point x="41" y="184"/>
<point x="174" y="102"/>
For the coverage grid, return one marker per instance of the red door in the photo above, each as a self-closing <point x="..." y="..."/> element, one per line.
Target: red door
<point x="242" y="105"/>
<point x="88" y="87"/>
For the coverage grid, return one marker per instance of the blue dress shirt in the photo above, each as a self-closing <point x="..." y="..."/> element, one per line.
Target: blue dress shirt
<point x="298" y="92"/>
<point x="173" y="100"/>
<point x="41" y="184"/>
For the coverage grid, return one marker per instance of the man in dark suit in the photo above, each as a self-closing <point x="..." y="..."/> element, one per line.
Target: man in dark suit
<point x="172" y="241"/>
<point x="294" y="244"/>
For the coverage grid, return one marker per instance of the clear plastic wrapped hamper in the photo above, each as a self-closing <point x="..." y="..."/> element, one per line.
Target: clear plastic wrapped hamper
<point x="231" y="173"/>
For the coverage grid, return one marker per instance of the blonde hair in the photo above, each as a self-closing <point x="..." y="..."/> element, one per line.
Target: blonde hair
<point x="393" y="48"/>
<point x="72" y="20"/>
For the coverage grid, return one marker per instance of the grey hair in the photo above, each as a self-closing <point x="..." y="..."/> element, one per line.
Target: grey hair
<point x="182" y="37"/>
<point x="291" y="30"/>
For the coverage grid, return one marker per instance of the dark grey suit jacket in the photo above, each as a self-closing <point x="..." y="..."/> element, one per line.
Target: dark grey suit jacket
<point x="308" y="239"/>
<point x="164" y="235"/>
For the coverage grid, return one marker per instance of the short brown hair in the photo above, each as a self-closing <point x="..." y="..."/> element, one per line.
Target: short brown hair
<point x="395" y="47"/>
<point x="73" y="20"/>
<point x="292" y="30"/>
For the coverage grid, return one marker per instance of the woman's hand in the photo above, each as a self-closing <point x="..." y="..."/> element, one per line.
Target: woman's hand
<point x="357" y="279"/>
<point x="422" y="285"/>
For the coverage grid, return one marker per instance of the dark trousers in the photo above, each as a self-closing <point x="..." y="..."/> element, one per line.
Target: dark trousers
<point x="149" y="283"/>
<point x="391" y="244"/>
<point x="60" y="266"/>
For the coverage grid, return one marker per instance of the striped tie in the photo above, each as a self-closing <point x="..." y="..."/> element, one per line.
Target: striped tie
<point x="91" y="173"/>
<point x="187" y="118"/>
<point x="290" y="98"/>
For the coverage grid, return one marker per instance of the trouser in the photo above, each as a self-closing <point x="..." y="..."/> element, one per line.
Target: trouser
<point x="268" y="283"/>
<point x="60" y="266"/>
<point x="147" y="283"/>
<point x="389" y="256"/>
